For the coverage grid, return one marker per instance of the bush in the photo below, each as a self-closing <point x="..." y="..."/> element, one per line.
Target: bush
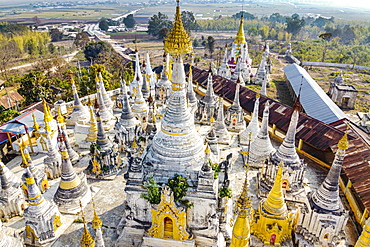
<point x="154" y="193"/>
<point x="225" y="192"/>
<point x="179" y="186"/>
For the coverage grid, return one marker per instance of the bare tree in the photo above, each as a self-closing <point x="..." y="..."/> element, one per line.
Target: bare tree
<point x="8" y="52"/>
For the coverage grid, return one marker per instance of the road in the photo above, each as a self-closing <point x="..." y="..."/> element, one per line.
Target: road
<point x="67" y="57"/>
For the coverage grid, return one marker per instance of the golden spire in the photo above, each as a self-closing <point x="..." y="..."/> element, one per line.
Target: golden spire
<point x="212" y="119"/>
<point x="87" y="240"/>
<point x="93" y="130"/>
<point x="178" y="40"/>
<point x="24" y="160"/>
<point x="47" y="116"/>
<point x="240" y="37"/>
<point x="134" y="144"/>
<point x="364" y="239"/>
<point x="47" y="126"/>
<point x="343" y="143"/>
<point x="96" y="166"/>
<point x="96" y="222"/>
<point x="242" y="230"/>
<point x="207" y="150"/>
<point x="36" y="126"/>
<point x="60" y="117"/>
<point x="275" y="203"/>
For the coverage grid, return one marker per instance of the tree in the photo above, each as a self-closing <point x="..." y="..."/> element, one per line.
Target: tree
<point x="7" y="115"/>
<point x="264" y="31"/>
<point x="211" y="44"/>
<point x="276" y="17"/>
<point x="81" y="40"/>
<point x="34" y="87"/>
<point x="36" y="20"/>
<point x="103" y="25"/>
<point x="56" y="35"/>
<point x="252" y="31"/>
<point x="154" y="193"/>
<point x="196" y="43"/>
<point x="326" y="38"/>
<point x="8" y="52"/>
<point x="95" y="49"/>
<point x="246" y="15"/>
<point x="163" y="33"/>
<point x="188" y="20"/>
<point x="129" y="21"/>
<point x="294" y="24"/>
<point x="179" y="186"/>
<point x="157" y="22"/>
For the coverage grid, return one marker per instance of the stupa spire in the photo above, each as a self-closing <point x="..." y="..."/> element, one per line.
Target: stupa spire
<point x="87" y="240"/>
<point x="222" y="134"/>
<point x="253" y="126"/>
<point x="97" y="225"/>
<point x="327" y="196"/>
<point x="102" y="139"/>
<point x="240" y="37"/>
<point x="261" y="147"/>
<point x="178" y="41"/>
<point x="93" y="130"/>
<point x="107" y="100"/>
<point x="36" y="126"/>
<point x="287" y="152"/>
<point x="275" y="203"/>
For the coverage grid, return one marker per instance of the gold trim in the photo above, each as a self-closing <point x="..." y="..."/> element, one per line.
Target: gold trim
<point x="173" y="134"/>
<point x="66" y="185"/>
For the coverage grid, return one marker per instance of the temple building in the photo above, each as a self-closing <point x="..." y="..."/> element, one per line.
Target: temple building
<point x="294" y="168"/>
<point x="250" y="133"/>
<point x="168" y="222"/>
<point x="322" y="221"/>
<point x="239" y="48"/>
<point x="234" y="117"/>
<point x="72" y="189"/>
<point x="207" y="105"/>
<point x="12" y="201"/>
<point x="261" y="148"/>
<point x="273" y="223"/>
<point x="344" y="95"/>
<point x="42" y="216"/>
<point x="80" y="113"/>
<point x="176" y="150"/>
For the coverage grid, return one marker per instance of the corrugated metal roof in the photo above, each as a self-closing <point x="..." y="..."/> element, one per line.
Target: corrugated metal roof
<point x="11" y="99"/>
<point x="279" y="113"/>
<point x="314" y="100"/>
<point x="23" y="123"/>
<point x="356" y="163"/>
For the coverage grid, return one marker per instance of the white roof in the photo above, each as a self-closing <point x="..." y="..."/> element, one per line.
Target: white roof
<point x="315" y="102"/>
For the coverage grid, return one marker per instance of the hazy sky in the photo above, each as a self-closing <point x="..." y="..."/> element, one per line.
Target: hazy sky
<point x="353" y="3"/>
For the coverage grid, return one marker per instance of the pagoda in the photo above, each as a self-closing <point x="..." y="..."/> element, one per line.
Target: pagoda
<point x="53" y="161"/>
<point x="80" y="113"/>
<point x="250" y="133"/>
<point x="224" y="69"/>
<point x="273" y="223"/>
<point x="42" y="217"/>
<point x="150" y="75"/>
<point x="93" y="131"/>
<point x="192" y="98"/>
<point x="261" y="148"/>
<point x="106" y="98"/>
<point x="163" y="86"/>
<point x="323" y="221"/>
<point x="176" y="150"/>
<point x="207" y="105"/>
<point x="138" y="78"/>
<point x="104" y="157"/>
<point x="140" y="107"/>
<point x="72" y="189"/>
<point x="221" y="132"/>
<point x="263" y="75"/>
<point x="234" y="118"/>
<point x="105" y="113"/>
<point x="12" y="201"/>
<point x="294" y="167"/>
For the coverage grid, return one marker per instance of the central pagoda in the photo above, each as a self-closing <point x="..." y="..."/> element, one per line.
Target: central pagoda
<point x="177" y="147"/>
